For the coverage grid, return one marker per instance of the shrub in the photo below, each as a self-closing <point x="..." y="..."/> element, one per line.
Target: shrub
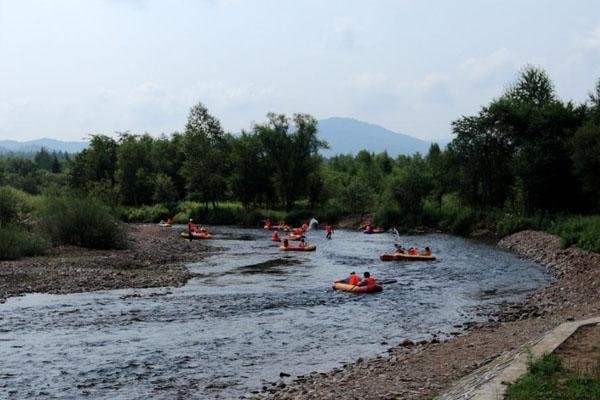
<point x="83" y="222"/>
<point x="581" y="231"/>
<point x="14" y="204"/>
<point x="16" y="242"/>
<point x="387" y="216"/>
<point x="145" y="213"/>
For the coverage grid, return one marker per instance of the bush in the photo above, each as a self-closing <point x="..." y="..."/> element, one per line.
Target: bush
<point x="454" y="217"/>
<point x="83" y="222"/>
<point x="14" y="204"/>
<point x="145" y="213"/>
<point x="581" y="231"/>
<point x="16" y="242"/>
<point x="388" y="216"/>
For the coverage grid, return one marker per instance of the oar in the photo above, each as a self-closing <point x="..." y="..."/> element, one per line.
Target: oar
<point x="388" y="282"/>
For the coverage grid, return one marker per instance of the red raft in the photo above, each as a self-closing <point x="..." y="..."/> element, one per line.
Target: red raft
<point x="404" y="257"/>
<point x="308" y="247"/>
<point x="344" y="287"/>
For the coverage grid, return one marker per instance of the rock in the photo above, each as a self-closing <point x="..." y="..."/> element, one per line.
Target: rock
<point x="407" y="343"/>
<point x="283" y="374"/>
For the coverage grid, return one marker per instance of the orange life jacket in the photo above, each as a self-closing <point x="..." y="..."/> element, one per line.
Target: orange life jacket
<point x="370" y="281"/>
<point x="353" y="280"/>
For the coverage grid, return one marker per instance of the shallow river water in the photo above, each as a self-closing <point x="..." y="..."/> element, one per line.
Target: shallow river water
<point x="252" y="313"/>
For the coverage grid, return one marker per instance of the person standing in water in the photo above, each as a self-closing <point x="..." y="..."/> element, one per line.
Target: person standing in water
<point x="329" y="231"/>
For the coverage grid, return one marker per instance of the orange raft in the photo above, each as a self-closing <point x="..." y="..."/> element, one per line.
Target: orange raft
<point x="196" y="235"/>
<point x="404" y="257"/>
<point x="308" y="247"/>
<point x="344" y="287"/>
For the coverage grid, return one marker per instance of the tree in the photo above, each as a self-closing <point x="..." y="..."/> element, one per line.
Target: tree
<point x="205" y="156"/>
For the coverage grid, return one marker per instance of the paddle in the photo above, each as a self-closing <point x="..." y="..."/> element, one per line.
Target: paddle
<point x="388" y="282"/>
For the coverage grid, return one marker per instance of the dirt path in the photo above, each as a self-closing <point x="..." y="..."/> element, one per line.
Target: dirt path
<point x="425" y="370"/>
<point x="154" y="258"/>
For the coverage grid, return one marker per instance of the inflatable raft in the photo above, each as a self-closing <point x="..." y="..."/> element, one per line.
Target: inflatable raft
<point x="196" y="235"/>
<point x="344" y="287"/>
<point x="404" y="257"/>
<point x="375" y="230"/>
<point x="165" y="225"/>
<point x="308" y="247"/>
<point x="293" y="237"/>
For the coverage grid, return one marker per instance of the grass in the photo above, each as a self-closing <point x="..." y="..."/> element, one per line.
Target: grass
<point x="579" y="230"/>
<point x="546" y="379"/>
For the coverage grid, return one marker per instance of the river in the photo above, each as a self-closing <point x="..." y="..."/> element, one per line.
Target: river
<point x="251" y="313"/>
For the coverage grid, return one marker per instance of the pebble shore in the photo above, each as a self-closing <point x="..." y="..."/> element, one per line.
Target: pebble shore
<point x="154" y="258"/>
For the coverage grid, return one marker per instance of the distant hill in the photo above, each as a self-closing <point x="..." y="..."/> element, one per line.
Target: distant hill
<point x="33" y="146"/>
<point x="348" y="135"/>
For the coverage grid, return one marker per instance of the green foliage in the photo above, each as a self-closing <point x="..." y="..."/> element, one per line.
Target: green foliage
<point x="14" y="205"/>
<point x="83" y="222"/>
<point x="153" y="213"/>
<point x="581" y="231"/>
<point x="17" y="242"/>
<point x="546" y="379"/>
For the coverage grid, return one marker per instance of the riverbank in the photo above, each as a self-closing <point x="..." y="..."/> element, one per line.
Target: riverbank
<point x="421" y="371"/>
<point x="153" y="259"/>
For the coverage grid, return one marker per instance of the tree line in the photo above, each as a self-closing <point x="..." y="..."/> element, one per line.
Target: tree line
<point x="525" y="155"/>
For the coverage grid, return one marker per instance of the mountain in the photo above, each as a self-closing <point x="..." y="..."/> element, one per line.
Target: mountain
<point x="348" y="135"/>
<point x="33" y="146"/>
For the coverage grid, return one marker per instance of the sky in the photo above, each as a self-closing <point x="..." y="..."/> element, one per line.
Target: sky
<point x="70" y="68"/>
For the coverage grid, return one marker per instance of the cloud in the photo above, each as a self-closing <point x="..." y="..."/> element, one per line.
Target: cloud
<point x="591" y="40"/>
<point x="490" y="67"/>
<point x="344" y="32"/>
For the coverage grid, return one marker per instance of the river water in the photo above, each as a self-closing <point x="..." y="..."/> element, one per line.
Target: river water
<point x="252" y="313"/>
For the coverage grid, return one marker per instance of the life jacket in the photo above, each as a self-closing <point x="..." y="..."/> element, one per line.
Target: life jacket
<point x="304" y="227"/>
<point x="328" y="228"/>
<point x="370" y="281"/>
<point x="353" y="280"/>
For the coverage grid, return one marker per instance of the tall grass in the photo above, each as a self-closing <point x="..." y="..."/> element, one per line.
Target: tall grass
<point x="83" y="222"/>
<point x="581" y="231"/>
<point x="16" y="242"/>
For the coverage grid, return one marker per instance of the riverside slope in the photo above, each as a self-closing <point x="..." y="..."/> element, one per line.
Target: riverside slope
<point x="425" y="370"/>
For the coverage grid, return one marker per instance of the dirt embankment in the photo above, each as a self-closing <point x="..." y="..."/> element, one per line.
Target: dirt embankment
<point x="153" y="259"/>
<point x="421" y="371"/>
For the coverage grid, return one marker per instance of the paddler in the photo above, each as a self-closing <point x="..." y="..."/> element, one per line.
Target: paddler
<point x="304" y="227"/>
<point x="353" y="279"/>
<point x="275" y="237"/>
<point x="285" y="242"/>
<point x="426" y="252"/>
<point x="368" y="280"/>
<point x="191" y="228"/>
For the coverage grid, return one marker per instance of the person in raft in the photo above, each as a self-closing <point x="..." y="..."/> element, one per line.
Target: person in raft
<point x="368" y="280"/>
<point x="275" y="237"/>
<point x="302" y="242"/>
<point x="285" y="243"/>
<point x="413" y="251"/>
<point x="426" y="252"/>
<point x="368" y="228"/>
<point x="191" y="228"/>
<point x="353" y="279"/>
<point x="399" y="248"/>
<point x="329" y="230"/>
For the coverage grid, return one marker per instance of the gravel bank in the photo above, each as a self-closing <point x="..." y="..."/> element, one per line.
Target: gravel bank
<point x="421" y="371"/>
<point x="153" y="259"/>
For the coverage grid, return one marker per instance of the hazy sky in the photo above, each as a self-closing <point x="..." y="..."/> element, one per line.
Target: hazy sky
<point x="70" y="68"/>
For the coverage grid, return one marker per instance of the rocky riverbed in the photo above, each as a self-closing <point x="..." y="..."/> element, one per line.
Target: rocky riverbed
<point x="425" y="369"/>
<point x="153" y="258"/>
